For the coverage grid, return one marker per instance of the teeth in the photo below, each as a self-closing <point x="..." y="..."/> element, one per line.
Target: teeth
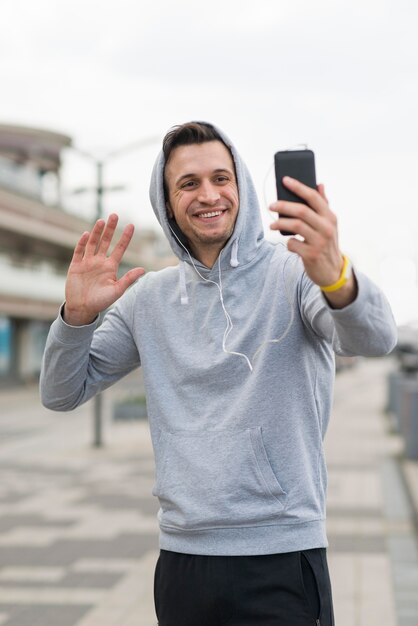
<point x="212" y="214"/>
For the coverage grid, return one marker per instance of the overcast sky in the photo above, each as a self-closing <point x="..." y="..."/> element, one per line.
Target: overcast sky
<point x="338" y="76"/>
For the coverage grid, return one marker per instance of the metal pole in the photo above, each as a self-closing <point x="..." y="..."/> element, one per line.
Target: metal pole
<point x="98" y="404"/>
<point x="100" y="190"/>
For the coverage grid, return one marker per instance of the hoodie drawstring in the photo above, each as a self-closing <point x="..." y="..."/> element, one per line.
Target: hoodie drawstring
<point x="184" y="298"/>
<point x="234" y="254"/>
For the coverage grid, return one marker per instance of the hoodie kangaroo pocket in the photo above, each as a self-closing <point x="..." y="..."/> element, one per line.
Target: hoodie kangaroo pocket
<point x="217" y="478"/>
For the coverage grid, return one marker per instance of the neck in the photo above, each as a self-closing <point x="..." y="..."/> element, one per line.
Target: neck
<point x="207" y="254"/>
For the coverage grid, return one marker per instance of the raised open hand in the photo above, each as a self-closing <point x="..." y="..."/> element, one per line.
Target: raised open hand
<point x="92" y="283"/>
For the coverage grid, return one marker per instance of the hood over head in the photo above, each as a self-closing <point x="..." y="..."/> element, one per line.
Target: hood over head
<point x="248" y="230"/>
<point x="245" y="243"/>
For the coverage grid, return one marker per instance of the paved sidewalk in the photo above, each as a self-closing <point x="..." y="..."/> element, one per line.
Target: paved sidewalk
<point x="373" y="547"/>
<point x="78" y="529"/>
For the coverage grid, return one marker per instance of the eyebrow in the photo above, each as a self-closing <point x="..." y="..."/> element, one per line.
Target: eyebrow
<point x="192" y="175"/>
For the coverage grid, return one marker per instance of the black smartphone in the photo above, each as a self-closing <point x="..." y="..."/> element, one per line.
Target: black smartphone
<point x="299" y="164"/>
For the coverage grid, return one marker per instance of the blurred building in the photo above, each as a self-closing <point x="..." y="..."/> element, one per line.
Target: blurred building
<point x="37" y="238"/>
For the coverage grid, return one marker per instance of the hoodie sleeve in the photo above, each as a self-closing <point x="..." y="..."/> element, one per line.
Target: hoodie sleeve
<point x="80" y="361"/>
<point x="366" y="327"/>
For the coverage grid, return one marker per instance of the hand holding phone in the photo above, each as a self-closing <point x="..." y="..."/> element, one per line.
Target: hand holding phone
<point x="298" y="164"/>
<point x="319" y="249"/>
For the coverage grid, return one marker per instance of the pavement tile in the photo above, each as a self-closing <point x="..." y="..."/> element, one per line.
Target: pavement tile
<point x="403" y="548"/>
<point x="355" y="526"/>
<point x="32" y="574"/>
<point x="64" y="553"/>
<point x="89" y="580"/>
<point x="10" y="522"/>
<point x="48" y="595"/>
<point x="103" y="565"/>
<point x="45" y="615"/>
<point x="119" y="501"/>
<point x="357" y="543"/>
<point x="410" y="469"/>
<point x="29" y="536"/>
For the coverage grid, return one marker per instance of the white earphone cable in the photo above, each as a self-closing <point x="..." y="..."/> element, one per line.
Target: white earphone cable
<point x="229" y="324"/>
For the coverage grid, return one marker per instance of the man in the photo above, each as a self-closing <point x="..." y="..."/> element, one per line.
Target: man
<point x="237" y="347"/>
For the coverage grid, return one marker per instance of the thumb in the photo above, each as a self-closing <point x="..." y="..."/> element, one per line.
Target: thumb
<point x="129" y="278"/>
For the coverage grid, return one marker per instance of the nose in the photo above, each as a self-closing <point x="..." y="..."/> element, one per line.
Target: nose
<point x="208" y="193"/>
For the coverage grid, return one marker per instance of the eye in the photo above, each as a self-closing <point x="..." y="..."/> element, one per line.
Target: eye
<point x="188" y="184"/>
<point x="222" y="178"/>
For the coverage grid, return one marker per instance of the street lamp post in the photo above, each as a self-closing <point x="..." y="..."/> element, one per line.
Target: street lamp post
<point x="100" y="189"/>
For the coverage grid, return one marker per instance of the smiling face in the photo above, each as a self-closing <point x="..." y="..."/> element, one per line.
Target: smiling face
<point x="203" y="196"/>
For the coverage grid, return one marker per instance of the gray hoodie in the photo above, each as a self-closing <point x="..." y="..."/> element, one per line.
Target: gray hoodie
<point x="238" y="364"/>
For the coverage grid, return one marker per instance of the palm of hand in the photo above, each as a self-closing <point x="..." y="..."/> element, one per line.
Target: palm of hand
<point x="92" y="283"/>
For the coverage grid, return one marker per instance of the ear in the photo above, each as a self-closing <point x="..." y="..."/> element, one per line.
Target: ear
<point x="169" y="210"/>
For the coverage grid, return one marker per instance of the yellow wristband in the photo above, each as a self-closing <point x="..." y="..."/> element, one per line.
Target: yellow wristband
<point x="344" y="276"/>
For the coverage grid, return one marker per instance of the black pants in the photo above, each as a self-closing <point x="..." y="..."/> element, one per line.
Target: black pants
<point x="289" y="589"/>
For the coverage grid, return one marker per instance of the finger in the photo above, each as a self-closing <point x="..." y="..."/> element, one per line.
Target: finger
<point x="80" y="248"/>
<point x="123" y="243"/>
<point x="299" y="211"/>
<point x="298" y="227"/>
<point x="128" y="279"/>
<point x="107" y="236"/>
<point x="321" y="191"/>
<point x="299" y="247"/>
<point x="311" y="196"/>
<point x="94" y="238"/>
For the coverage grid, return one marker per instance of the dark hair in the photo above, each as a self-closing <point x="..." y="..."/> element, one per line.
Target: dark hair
<point x="187" y="134"/>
